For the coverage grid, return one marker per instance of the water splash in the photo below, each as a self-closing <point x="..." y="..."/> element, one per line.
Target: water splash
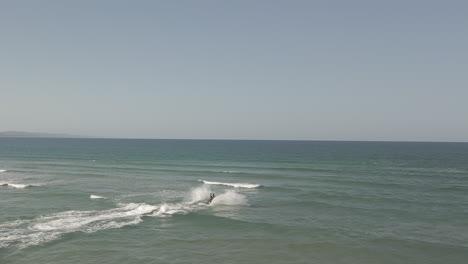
<point x="230" y="197"/>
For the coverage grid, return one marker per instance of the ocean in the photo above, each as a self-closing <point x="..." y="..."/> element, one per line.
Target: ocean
<point x="146" y="201"/>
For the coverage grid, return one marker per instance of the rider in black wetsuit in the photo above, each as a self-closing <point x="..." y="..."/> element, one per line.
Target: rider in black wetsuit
<point x="212" y="196"/>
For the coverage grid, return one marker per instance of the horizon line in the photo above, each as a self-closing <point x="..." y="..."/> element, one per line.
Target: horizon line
<point x="231" y="139"/>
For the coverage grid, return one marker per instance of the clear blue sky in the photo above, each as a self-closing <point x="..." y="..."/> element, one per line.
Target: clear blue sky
<point x="318" y="70"/>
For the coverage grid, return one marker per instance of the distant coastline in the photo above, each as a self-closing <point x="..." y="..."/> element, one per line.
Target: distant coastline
<point x="23" y="134"/>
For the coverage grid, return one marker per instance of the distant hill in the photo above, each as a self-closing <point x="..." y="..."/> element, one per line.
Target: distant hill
<point x="23" y="134"/>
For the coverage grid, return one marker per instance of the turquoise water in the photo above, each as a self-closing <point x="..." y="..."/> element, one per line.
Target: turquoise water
<point x="144" y="201"/>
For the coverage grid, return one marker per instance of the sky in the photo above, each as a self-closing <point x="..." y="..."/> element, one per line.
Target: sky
<point x="291" y="70"/>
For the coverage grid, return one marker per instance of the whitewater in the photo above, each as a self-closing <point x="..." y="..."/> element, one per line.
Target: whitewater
<point x="42" y="229"/>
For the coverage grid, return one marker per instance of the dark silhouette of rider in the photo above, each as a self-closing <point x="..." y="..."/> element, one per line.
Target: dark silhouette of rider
<point x="212" y="196"/>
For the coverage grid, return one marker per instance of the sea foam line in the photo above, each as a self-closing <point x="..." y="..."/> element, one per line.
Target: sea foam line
<point x="235" y="185"/>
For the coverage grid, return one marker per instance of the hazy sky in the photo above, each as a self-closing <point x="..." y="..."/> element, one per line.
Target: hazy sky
<point x="324" y="70"/>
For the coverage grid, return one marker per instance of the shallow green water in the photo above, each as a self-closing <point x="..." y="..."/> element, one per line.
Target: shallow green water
<point x="144" y="201"/>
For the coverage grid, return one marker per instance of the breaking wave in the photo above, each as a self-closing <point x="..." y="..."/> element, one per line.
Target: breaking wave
<point x="235" y="185"/>
<point x="18" y="185"/>
<point x="3" y="170"/>
<point x="92" y="196"/>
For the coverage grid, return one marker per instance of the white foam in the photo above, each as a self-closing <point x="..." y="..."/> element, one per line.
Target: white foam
<point x="235" y="185"/>
<point x="92" y="196"/>
<point x="171" y="209"/>
<point x="196" y="199"/>
<point x="17" y="185"/>
<point x="42" y="229"/>
<point x="89" y="221"/>
<point x="3" y="170"/>
<point x="12" y="224"/>
<point x="230" y="197"/>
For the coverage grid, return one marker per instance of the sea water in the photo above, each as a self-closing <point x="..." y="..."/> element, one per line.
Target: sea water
<point x="145" y="201"/>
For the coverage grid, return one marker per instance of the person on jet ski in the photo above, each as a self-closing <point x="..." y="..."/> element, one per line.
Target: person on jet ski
<point x="212" y="196"/>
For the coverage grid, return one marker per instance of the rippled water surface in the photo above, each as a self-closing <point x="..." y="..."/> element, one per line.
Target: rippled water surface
<point x="145" y="201"/>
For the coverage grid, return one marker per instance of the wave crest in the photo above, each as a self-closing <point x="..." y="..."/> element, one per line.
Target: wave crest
<point x="18" y="185"/>
<point x="92" y="196"/>
<point x="235" y="185"/>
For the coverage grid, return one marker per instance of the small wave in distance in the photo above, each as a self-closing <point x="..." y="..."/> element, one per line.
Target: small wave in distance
<point x="235" y="185"/>
<point x="92" y="196"/>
